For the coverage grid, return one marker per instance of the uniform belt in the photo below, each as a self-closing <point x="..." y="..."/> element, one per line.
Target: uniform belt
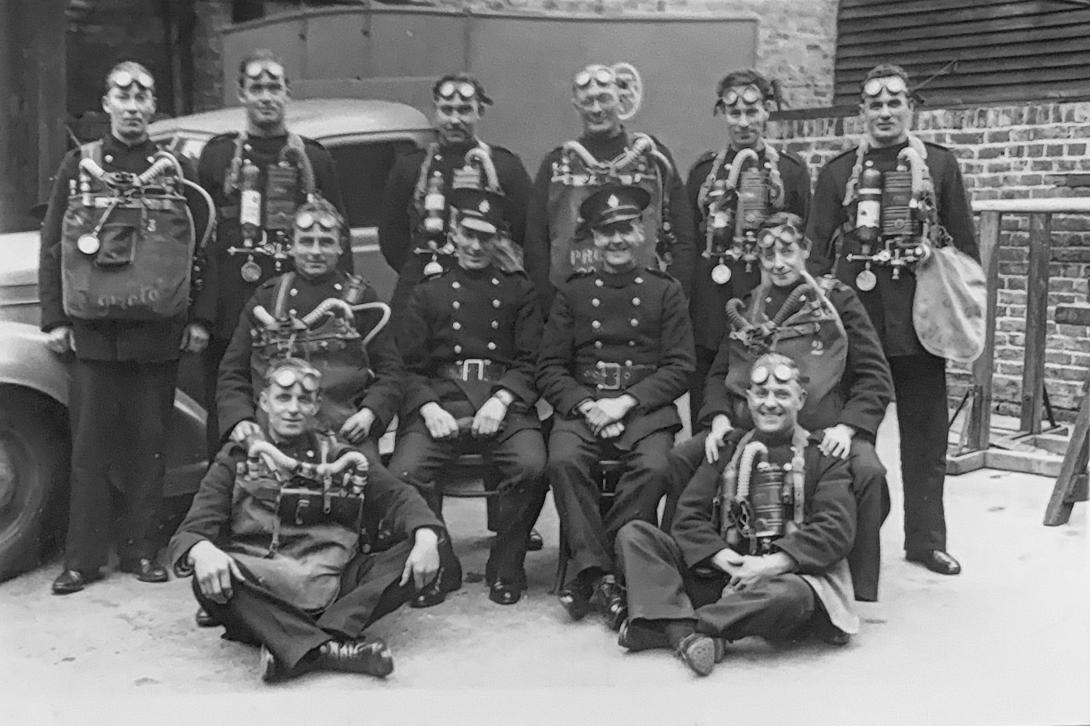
<point x="473" y="369"/>
<point x="613" y="376"/>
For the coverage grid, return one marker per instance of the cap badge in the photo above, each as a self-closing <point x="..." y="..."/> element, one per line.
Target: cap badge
<point x="484" y="206"/>
<point x="613" y="201"/>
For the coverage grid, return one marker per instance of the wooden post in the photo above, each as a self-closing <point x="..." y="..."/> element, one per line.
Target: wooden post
<point x="1071" y="484"/>
<point x="1033" y="372"/>
<point x="980" y="415"/>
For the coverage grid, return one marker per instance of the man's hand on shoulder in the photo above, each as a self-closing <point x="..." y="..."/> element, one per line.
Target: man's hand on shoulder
<point x="721" y="426"/>
<point x="213" y="569"/>
<point x="358" y="426"/>
<point x="838" y="441"/>
<point x="60" y="340"/>
<point x="422" y="564"/>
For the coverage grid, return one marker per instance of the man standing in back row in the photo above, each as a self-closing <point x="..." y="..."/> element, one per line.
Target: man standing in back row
<point x="864" y="248"/>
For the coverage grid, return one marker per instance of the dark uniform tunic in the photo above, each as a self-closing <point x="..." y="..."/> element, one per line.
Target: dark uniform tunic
<point x="638" y="322"/>
<point x="709" y="299"/>
<point x="672" y="578"/>
<point x="369" y="582"/>
<point x="121" y="391"/>
<point x="919" y="378"/>
<point x="467" y="334"/>
<point x="229" y="289"/>
<point x="398" y="233"/>
<point x="538" y="245"/>
<point x="364" y="378"/>
<point x="859" y="401"/>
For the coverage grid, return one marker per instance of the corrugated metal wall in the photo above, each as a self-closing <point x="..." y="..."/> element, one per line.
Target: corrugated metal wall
<point x="1006" y="51"/>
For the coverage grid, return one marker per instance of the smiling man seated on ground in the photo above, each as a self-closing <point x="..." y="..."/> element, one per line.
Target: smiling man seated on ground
<point x="759" y="540"/>
<point x="276" y="540"/>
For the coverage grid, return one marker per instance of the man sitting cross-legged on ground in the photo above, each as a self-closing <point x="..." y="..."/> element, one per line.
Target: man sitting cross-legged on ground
<point x="759" y="540"/>
<point x="276" y="540"/>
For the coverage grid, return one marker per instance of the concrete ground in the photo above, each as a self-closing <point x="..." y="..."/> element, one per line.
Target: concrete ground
<point x="1005" y="642"/>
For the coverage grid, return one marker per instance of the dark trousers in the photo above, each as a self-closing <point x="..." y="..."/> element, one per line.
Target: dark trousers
<point x="370" y="590"/>
<point x="573" y="451"/>
<point x="661" y="587"/>
<point x="210" y="365"/>
<point x="520" y="461"/>
<point x="919" y="382"/>
<point x="871" y="497"/>
<point x="119" y="412"/>
<point x="704" y="359"/>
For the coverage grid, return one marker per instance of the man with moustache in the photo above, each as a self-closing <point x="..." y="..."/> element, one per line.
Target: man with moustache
<point x="728" y="209"/>
<point x="617" y="351"/>
<point x="257" y="177"/>
<point x="606" y="154"/>
<point x="413" y="233"/>
<point x="836" y="227"/>
<point x="758" y="546"/>
<point x="121" y="222"/>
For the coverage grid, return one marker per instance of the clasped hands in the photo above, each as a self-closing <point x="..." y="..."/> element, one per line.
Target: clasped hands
<point x="750" y="570"/>
<point x="442" y="425"/>
<point x="604" y="416"/>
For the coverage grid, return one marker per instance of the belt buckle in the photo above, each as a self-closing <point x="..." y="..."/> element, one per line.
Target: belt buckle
<point x="477" y="364"/>
<point x="609" y="375"/>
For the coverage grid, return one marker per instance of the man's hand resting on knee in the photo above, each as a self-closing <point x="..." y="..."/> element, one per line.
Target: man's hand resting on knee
<point x="213" y="568"/>
<point x="422" y="564"/>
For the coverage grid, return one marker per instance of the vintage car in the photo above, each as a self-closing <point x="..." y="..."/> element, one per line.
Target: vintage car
<point x="364" y="137"/>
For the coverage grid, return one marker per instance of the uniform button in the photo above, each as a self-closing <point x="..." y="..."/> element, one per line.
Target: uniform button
<point x="596" y="324"/>
<point x="495" y="281"/>
<point x="438" y="157"/>
<point x="293" y="292"/>
<point x="628" y="363"/>
<point x="457" y="349"/>
<point x="495" y="324"/>
<point x="639" y="280"/>
<point x="768" y="299"/>
<point x="310" y="454"/>
<point x="634" y="322"/>
<point x="631" y="344"/>
<point x="455" y="284"/>
<point x="598" y="282"/>
<point x="636" y="301"/>
<point x="108" y="158"/>
<point x="491" y="345"/>
<point x="292" y="311"/>
<point x="456" y="304"/>
<point x="598" y="344"/>
<point x="595" y="302"/>
<point x="247" y="147"/>
<point x="456" y="325"/>
<point x="496" y="303"/>
<point x="336" y="286"/>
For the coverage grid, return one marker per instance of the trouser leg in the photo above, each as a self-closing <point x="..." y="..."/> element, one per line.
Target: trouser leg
<point x="572" y="454"/>
<point x="210" y="364"/>
<point x="920" y="386"/>
<point x="704" y="359"/>
<point x="370" y="590"/>
<point x="682" y="463"/>
<point x="520" y="461"/>
<point x="872" y="506"/>
<point x="642" y="483"/>
<point x="773" y="609"/>
<point x="651" y="563"/>
<point x="93" y="409"/>
<point x="253" y="615"/>
<point x="147" y="408"/>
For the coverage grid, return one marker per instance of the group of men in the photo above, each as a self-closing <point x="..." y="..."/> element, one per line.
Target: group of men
<point x="585" y="287"/>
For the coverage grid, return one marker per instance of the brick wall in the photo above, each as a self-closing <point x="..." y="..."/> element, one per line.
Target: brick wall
<point x="1006" y="152"/>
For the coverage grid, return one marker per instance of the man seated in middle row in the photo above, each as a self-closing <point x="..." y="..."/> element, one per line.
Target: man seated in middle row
<point x="617" y="352"/>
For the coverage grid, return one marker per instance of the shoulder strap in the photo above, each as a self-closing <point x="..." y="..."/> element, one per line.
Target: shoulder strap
<point x="286" y="281"/>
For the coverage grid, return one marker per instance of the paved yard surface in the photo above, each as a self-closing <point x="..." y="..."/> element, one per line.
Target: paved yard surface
<point x="1006" y="642"/>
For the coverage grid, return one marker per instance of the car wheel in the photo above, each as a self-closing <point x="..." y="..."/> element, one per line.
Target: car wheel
<point x="34" y="455"/>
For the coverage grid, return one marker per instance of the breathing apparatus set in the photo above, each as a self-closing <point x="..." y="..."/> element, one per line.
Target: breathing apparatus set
<point x="128" y="240"/>
<point x="892" y="216"/>
<point x="265" y="215"/>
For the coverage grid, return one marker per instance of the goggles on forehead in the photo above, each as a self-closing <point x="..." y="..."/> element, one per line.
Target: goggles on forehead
<point x="785" y="233"/>
<point x="255" y="68"/>
<point x="749" y="94"/>
<point x="309" y="379"/>
<point x="892" y="84"/>
<point x="325" y="220"/>
<point x="601" y="75"/>
<point x="781" y="372"/>
<point x="463" y="89"/>
<point x="126" y="78"/>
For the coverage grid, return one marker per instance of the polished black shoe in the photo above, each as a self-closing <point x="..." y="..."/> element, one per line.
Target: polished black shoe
<point x="936" y="561"/>
<point x="370" y="657"/>
<point x="609" y="598"/>
<point x="504" y="593"/>
<point x="71" y="581"/>
<point x="575" y="599"/>
<point x="698" y="652"/>
<point x="204" y="619"/>
<point x="430" y="596"/>
<point x="636" y="637"/>
<point x="534" y="542"/>
<point x="145" y="570"/>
